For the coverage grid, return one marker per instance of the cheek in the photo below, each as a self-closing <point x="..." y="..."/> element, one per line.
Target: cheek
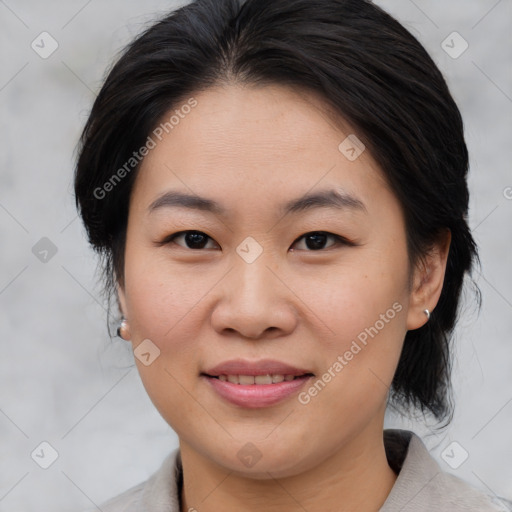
<point x="355" y="296"/>
<point x="163" y="307"/>
<point x="161" y="297"/>
<point x="362" y="307"/>
<point x="365" y="305"/>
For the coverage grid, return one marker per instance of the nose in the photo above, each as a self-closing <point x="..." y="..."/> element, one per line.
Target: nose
<point x="254" y="302"/>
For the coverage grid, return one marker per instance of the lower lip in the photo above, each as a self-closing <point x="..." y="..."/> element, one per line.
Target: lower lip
<point x="256" y="395"/>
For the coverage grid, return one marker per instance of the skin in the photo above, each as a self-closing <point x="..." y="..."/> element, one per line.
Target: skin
<point x="251" y="149"/>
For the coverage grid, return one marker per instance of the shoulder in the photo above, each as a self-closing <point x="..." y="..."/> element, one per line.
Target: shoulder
<point x="128" y="501"/>
<point x="466" y="497"/>
<point x="456" y="494"/>
<point x="423" y="486"/>
<point x="159" y="492"/>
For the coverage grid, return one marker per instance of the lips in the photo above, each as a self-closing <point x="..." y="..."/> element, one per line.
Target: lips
<point x="261" y="367"/>
<point x="255" y="384"/>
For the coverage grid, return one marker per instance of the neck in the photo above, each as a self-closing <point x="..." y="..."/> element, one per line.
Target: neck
<point x="355" y="477"/>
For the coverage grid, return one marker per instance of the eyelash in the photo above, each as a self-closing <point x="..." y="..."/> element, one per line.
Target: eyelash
<point x="339" y="239"/>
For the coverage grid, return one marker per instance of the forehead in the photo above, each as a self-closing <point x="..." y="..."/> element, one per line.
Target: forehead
<point x="255" y="144"/>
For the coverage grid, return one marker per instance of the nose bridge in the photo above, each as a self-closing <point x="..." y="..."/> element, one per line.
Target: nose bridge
<point x="254" y="299"/>
<point x="253" y="277"/>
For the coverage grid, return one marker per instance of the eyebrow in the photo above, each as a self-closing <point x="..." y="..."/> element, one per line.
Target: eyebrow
<point x="323" y="199"/>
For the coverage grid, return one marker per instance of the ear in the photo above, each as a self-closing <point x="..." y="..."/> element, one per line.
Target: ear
<point x="427" y="281"/>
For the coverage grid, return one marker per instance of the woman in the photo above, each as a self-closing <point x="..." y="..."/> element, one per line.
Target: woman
<point x="278" y="191"/>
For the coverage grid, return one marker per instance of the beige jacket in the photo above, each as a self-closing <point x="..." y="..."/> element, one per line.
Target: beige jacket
<point x="421" y="485"/>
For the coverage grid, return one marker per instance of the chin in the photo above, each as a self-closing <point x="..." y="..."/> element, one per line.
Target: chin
<point x="262" y="461"/>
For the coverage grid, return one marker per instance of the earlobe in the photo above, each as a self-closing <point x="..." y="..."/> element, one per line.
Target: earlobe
<point x="428" y="282"/>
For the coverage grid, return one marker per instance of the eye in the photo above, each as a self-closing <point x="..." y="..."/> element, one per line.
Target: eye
<point x="196" y="240"/>
<point x="193" y="239"/>
<point x="315" y="240"/>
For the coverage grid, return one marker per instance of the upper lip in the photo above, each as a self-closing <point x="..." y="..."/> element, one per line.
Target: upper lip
<point x="260" y="367"/>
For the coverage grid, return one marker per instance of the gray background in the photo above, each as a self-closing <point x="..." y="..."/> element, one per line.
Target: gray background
<point x="64" y="382"/>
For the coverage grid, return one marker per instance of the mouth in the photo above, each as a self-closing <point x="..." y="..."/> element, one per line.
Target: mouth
<point x="245" y="369"/>
<point x="264" y="380"/>
<point x="255" y="384"/>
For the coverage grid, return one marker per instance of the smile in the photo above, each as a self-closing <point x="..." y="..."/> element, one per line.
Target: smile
<point x="246" y="380"/>
<point x="252" y="392"/>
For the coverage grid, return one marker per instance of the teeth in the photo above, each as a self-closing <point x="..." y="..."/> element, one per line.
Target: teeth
<point x="258" y="379"/>
<point x="245" y="379"/>
<point x="262" y="379"/>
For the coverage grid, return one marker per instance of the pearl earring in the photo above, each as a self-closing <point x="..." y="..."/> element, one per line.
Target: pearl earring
<point x="122" y="329"/>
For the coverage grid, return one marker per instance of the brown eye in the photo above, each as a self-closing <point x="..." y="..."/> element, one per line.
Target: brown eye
<point x="193" y="239"/>
<point x="316" y="240"/>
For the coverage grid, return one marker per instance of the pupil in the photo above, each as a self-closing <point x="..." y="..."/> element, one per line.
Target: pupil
<point x="195" y="238"/>
<point x="318" y="241"/>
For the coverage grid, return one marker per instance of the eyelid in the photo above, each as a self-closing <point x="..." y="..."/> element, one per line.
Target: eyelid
<point x="170" y="238"/>
<point x="340" y="240"/>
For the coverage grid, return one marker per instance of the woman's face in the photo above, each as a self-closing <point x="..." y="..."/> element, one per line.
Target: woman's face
<point x="249" y="288"/>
